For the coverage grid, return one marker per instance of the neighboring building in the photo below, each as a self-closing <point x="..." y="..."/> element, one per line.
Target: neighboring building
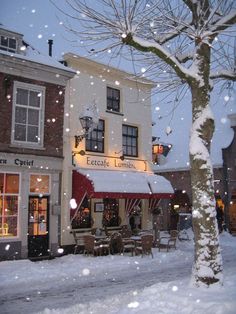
<point x="108" y="173"/>
<point x="224" y="180"/>
<point x="32" y="90"/>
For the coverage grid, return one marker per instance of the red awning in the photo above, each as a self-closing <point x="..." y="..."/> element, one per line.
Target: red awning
<point x="119" y="184"/>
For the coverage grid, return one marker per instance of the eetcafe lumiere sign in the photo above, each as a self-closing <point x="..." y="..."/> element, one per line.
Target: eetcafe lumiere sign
<point x="97" y="162"/>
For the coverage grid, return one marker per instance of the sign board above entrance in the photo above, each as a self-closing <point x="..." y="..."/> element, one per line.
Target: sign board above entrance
<point x="109" y="163"/>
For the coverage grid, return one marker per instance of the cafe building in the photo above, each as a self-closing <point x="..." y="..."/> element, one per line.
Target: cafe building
<point x="107" y="176"/>
<point x="31" y="148"/>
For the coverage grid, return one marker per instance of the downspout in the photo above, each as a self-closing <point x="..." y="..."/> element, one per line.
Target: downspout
<point x="226" y="196"/>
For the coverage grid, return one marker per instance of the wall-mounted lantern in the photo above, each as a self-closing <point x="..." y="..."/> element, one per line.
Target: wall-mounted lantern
<point x="160" y="149"/>
<point x="88" y="120"/>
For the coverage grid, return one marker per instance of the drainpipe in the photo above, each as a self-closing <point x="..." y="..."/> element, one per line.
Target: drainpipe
<point x="226" y="196"/>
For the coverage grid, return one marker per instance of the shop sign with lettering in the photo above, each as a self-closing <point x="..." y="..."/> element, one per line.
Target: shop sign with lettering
<point x="35" y="162"/>
<point x="97" y="162"/>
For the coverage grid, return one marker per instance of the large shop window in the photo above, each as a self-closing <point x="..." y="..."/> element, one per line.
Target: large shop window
<point x="130" y="140"/>
<point x="81" y="218"/>
<point x="113" y="99"/>
<point x="111" y="212"/>
<point x="95" y="139"/>
<point x="27" y="125"/>
<point x="9" y="204"/>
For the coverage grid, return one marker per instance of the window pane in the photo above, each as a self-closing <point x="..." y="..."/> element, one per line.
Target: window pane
<point x="12" y="183"/>
<point x="4" y="41"/>
<point x="33" y="117"/>
<point x="12" y="43"/>
<point x="95" y="140"/>
<point x="22" y="97"/>
<point x="10" y="205"/>
<point x="32" y="135"/>
<point x="20" y="132"/>
<point x="35" y="99"/>
<point x="39" y="183"/>
<point x="20" y="115"/>
<point x="113" y="99"/>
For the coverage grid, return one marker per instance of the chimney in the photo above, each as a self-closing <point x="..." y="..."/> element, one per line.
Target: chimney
<point x="50" y="43"/>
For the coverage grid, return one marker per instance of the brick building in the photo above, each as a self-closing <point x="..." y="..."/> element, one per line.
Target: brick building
<point x="224" y="181"/>
<point x="32" y="88"/>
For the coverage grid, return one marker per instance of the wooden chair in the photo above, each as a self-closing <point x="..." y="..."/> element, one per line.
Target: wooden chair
<point x="79" y="242"/>
<point x="146" y="245"/>
<point x="128" y="245"/>
<point x="116" y="243"/>
<point x="105" y="246"/>
<point x="168" y="242"/>
<point x="91" y="246"/>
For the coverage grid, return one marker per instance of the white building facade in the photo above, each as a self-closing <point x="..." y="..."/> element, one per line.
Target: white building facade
<point x="109" y="173"/>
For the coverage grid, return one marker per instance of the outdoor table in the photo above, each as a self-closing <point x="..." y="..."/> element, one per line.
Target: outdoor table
<point x="136" y="239"/>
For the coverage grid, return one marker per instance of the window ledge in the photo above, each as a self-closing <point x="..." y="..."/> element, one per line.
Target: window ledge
<point x="115" y="112"/>
<point x="26" y="146"/>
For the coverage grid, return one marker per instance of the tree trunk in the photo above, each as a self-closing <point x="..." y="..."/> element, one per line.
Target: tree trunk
<point x="208" y="262"/>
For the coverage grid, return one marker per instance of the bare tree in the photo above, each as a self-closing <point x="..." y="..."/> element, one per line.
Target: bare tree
<point x="190" y="42"/>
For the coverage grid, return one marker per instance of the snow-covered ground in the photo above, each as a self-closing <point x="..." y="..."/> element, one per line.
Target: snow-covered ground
<point x="117" y="284"/>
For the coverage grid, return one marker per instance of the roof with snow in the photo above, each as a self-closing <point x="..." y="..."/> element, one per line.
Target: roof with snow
<point x="31" y="54"/>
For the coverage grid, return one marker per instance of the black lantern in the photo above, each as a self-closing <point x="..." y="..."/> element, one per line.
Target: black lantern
<point x="87" y="123"/>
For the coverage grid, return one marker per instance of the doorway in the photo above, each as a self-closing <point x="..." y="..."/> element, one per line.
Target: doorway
<point x="38" y="227"/>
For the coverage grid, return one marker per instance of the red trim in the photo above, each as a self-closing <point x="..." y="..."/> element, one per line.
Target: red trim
<point x="81" y="184"/>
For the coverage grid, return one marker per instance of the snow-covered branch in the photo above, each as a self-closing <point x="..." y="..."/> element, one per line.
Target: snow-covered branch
<point x="147" y="46"/>
<point x="224" y="23"/>
<point x="224" y="74"/>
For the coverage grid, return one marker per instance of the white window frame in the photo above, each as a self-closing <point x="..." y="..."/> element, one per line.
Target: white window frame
<point x="7" y="48"/>
<point x="35" y="88"/>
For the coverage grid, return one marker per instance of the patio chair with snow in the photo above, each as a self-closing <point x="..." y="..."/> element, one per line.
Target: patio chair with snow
<point x="145" y="245"/>
<point x="91" y="246"/>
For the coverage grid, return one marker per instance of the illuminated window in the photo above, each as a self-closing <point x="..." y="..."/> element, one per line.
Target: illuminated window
<point x="111" y="212"/>
<point x="9" y="204"/>
<point x="82" y="218"/>
<point x="39" y="184"/>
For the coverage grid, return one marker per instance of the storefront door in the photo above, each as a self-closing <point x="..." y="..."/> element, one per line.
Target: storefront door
<point x="38" y="226"/>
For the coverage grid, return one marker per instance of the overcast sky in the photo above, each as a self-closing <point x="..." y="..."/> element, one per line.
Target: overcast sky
<point x="39" y="21"/>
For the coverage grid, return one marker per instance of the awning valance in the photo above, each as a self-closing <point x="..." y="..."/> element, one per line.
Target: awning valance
<point x="120" y="184"/>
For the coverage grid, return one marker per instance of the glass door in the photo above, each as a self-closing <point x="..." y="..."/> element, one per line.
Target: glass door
<point x="38" y="226"/>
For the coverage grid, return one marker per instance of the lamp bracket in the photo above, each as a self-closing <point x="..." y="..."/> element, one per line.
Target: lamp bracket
<point x="78" y="139"/>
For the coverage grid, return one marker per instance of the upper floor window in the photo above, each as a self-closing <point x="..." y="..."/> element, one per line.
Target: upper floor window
<point x="28" y="114"/>
<point x="8" y="44"/>
<point x="113" y="99"/>
<point x="95" y="139"/>
<point x="130" y="140"/>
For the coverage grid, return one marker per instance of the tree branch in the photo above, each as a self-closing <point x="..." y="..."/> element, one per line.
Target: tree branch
<point x="224" y="23"/>
<point x="224" y="74"/>
<point x="159" y="51"/>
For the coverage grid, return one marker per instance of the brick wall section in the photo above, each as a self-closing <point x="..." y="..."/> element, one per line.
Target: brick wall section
<point x="180" y="180"/>
<point x="54" y="109"/>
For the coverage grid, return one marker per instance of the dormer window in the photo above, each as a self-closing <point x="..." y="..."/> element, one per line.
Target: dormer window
<point x="8" y="44"/>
